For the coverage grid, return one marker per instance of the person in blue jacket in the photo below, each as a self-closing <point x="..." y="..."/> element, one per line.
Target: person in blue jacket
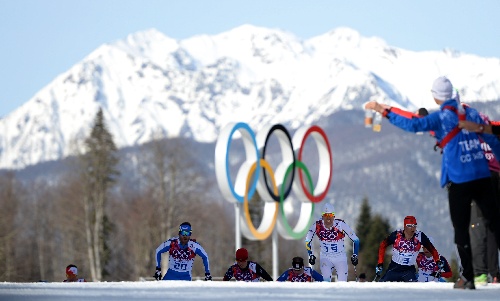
<point x="299" y="273"/>
<point x="464" y="168"/>
<point x="182" y="251"/>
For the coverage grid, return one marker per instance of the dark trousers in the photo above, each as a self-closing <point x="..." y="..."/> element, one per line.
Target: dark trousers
<point x="483" y="243"/>
<point x="460" y="197"/>
<point x="400" y="273"/>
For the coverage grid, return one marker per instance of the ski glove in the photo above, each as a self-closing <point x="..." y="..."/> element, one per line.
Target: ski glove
<point x="354" y="259"/>
<point x="378" y="269"/>
<point x="158" y="274"/>
<point x="436" y="274"/>
<point x="440" y="264"/>
<point x="312" y="259"/>
<point x="208" y="277"/>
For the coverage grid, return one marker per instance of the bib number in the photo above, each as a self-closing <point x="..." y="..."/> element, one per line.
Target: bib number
<point x="180" y="266"/>
<point x="331" y="248"/>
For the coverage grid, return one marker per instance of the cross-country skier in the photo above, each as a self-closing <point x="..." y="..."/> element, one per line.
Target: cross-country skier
<point x="72" y="274"/>
<point x="299" y="273"/>
<point x="331" y="233"/>
<point x="182" y="251"/>
<point x="483" y="243"/>
<point x="464" y="170"/>
<point x="245" y="270"/>
<point x="427" y="268"/>
<point x="406" y="245"/>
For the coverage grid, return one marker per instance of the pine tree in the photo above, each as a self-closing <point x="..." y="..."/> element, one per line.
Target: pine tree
<point x="98" y="175"/>
<point x="371" y="231"/>
<point x="364" y="221"/>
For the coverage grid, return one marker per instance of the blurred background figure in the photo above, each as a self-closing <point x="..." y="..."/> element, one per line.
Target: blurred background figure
<point x="362" y="277"/>
<point x="72" y="274"/>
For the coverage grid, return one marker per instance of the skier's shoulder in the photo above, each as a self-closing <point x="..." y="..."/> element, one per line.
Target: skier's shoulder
<point x="193" y="243"/>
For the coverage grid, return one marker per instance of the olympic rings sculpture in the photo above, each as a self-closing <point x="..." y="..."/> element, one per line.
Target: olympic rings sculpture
<point x="249" y="177"/>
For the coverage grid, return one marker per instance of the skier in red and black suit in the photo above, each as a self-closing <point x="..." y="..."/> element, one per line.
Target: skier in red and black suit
<point x="299" y="273"/>
<point x="427" y="268"/>
<point x="245" y="270"/>
<point x="406" y="245"/>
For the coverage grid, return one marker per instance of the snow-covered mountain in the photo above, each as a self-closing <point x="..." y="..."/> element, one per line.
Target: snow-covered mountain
<point x="149" y="82"/>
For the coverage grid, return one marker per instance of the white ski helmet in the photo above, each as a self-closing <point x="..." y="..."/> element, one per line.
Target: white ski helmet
<point x="328" y="208"/>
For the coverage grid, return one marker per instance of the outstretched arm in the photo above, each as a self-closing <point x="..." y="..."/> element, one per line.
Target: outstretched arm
<point x="447" y="273"/>
<point x="383" y="245"/>
<point x="204" y="256"/>
<point x="350" y="233"/>
<point x="316" y="276"/>
<point x="478" y="127"/>
<point x="309" y="238"/>
<point x="283" y="277"/>
<point x="228" y="275"/>
<point x="377" y="107"/>
<point x="162" y="248"/>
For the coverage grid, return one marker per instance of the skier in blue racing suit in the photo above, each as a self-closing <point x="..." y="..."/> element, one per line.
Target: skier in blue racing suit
<point x="182" y="251"/>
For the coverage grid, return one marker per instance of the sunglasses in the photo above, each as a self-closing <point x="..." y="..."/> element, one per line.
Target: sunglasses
<point x="328" y="214"/>
<point x="240" y="260"/>
<point x="186" y="233"/>
<point x="411" y="225"/>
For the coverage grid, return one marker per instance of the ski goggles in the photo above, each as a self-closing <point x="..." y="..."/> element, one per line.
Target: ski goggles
<point x="329" y="214"/>
<point x="411" y="225"/>
<point x="240" y="260"/>
<point x="185" y="233"/>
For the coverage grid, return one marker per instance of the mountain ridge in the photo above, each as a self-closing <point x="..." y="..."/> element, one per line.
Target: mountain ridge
<point x="191" y="88"/>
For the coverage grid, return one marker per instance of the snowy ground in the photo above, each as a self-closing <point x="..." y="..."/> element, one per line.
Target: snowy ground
<point x="241" y="291"/>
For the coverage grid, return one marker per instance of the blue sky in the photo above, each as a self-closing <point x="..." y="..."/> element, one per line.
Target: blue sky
<point x="40" y="39"/>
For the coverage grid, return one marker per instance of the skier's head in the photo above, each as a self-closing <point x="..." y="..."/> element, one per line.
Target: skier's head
<point x="328" y="208"/>
<point x="185" y="229"/>
<point x="297" y="263"/>
<point x="71" y="271"/>
<point x="185" y="232"/>
<point x="422" y="112"/>
<point x="328" y="214"/>
<point x="410" y="226"/>
<point x="442" y="89"/>
<point x="241" y="254"/>
<point x="241" y="257"/>
<point x="362" y="277"/>
<point x="410" y="220"/>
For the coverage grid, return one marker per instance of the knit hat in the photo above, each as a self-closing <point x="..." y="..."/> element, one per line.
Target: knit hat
<point x="328" y="208"/>
<point x="71" y="270"/>
<point x="410" y="220"/>
<point x="297" y="263"/>
<point x="442" y="89"/>
<point x="241" y="254"/>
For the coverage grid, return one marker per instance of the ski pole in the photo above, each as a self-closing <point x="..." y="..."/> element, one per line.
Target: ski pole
<point x="355" y="273"/>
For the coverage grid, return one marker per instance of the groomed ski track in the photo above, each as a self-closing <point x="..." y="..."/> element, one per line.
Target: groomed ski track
<point x="241" y="291"/>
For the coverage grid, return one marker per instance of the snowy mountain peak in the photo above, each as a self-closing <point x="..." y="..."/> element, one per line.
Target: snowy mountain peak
<point x="149" y="82"/>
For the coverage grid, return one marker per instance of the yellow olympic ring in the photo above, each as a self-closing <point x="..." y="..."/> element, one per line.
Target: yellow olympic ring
<point x="271" y="208"/>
